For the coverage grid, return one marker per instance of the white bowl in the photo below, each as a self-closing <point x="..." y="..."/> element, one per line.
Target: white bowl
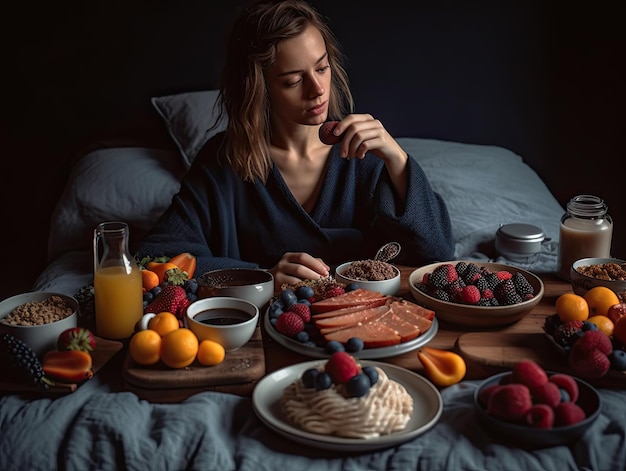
<point x="254" y="285"/>
<point x="233" y="320"/>
<point x="388" y="287"/>
<point x="40" y="338"/>
<point x="583" y="283"/>
<point x="472" y="315"/>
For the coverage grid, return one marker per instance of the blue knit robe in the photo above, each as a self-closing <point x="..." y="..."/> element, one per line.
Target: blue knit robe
<point x="226" y="222"/>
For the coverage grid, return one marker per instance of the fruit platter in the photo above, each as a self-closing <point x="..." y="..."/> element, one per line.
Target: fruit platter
<point x="318" y="317"/>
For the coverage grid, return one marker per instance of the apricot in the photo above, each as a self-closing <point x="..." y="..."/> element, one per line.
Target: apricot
<point x="442" y="367"/>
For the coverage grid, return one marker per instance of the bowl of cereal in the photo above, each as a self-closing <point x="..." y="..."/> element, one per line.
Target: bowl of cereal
<point x="373" y="275"/>
<point x="588" y="273"/>
<point x="38" y="318"/>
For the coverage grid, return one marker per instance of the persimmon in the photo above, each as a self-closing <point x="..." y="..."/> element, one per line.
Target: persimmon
<point x="73" y="366"/>
<point x="186" y="262"/>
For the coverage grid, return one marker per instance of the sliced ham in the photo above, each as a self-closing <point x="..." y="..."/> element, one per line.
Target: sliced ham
<point x="351" y="320"/>
<point x="349" y="299"/>
<point x="347" y="310"/>
<point x="406" y="330"/>
<point x="413" y="314"/>
<point x="373" y="334"/>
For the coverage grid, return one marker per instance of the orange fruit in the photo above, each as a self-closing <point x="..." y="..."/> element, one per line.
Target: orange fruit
<point x="163" y="323"/>
<point x="619" y="329"/>
<point x="160" y="268"/>
<point x="600" y="299"/>
<point x="572" y="307"/>
<point x="149" y="279"/>
<point x="145" y="347"/>
<point x="605" y="325"/>
<point x="210" y="353"/>
<point x="179" y="348"/>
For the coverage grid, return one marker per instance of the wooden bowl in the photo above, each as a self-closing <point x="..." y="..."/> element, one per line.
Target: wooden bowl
<point x="472" y="315"/>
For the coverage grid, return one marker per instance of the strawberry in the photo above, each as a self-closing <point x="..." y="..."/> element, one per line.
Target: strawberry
<point x="568" y="413"/>
<point x="326" y="133"/>
<point x="302" y="310"/>
<point x="589" y="365"/>
<point x="529" y="373"/>
<point x="540" y="416"/>
<point x="341" y="366"/>
<point x="290" y="324"/>
<point x="76" y="338"/>
<point x="511" y="402"/>
<point x="172" y="298"/>
<point x="548" y="393"/>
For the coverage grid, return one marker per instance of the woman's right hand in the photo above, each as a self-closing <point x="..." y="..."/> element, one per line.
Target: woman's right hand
<point x="294" y="267"/>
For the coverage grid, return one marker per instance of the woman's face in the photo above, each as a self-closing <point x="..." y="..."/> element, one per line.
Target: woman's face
<point x="299" y="80"/>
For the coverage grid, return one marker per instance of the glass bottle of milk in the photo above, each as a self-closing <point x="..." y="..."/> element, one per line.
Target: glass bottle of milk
<point x="586" y="231"/>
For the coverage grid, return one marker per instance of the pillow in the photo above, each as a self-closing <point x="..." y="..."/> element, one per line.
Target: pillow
<point x="485" y="187"/>
<point x="188" y="118"/>
<point x="130" y="184"/>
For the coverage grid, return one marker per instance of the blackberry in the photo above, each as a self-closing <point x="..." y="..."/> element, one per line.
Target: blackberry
<point x="551" y="323"/>
<point x="86" y="306"/>
<point x="522" y="285"/>
<point x="440" y="294"/>
<point x="471" y="273"/>
<point x="505" y="293"/>
<point x="454" y="288"/>
<point x="482" y="284"/>
<point x="492" y="280"/>
<point x="15" y="355"/>
<point x="460" y="268"/>
<point x="438" y="278"/>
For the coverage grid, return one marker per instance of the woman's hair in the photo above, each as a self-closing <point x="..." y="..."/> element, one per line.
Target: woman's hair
<point x="243" y="93"/>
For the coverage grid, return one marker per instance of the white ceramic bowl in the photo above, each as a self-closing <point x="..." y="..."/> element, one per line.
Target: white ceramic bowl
<point x="583" y="283"/>
<point x="41" y="338"/>
<point x="520" y="435"/>
<point x="472" y="315"/>
<point x="231" y="322"/>
<point x="388" y="287"/>
<point x="254" y="285"/>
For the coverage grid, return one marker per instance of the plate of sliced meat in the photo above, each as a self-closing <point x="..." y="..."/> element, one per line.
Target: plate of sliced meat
<point x="386" y="325"/>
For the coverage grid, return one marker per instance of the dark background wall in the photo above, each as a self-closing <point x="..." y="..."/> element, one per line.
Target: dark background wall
<point x="544" y="79"/>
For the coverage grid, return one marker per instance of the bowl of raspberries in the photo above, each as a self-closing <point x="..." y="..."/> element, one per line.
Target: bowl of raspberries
<point x="476" y="294"/>
<point x="531" y="407"/>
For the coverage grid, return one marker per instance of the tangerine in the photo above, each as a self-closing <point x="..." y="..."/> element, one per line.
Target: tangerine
<point x="163" y="323"/>
<point x="572" y="307"/>
<point x="619" y="330"/>
<point x="145" y="347"/>
<point x="605" y="325"/>
<point x="600" y="299"/>
<point x="210" y="353"/>
<point x="179" y="348"/>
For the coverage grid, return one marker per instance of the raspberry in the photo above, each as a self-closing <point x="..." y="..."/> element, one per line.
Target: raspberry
<point x="529" y="373"/>
<point x="566" y="382"/>
<point x="335" y="291"/>
<point x="486" y="294"/>
<point x="485" y="394"/>
<point x="289" y="324"/>
<point x="302" y="310"/>
<point x="548" y="393"/>
<point x="511" y="402"/>
<point x="470" y="294"/>
<point x="504" y="275"/>
<point x="341" y="366"/>
<point x="568" y="413"/>
<point x="540" y="416"/>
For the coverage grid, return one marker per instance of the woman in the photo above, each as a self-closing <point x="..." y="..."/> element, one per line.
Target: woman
<point x="268" y="193"/>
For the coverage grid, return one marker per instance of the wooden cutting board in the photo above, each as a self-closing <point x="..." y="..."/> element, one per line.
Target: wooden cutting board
<point x="237" y="374"/>
<point x="501" y="350"/>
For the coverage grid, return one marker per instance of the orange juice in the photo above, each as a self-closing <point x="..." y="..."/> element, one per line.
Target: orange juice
<point x="119" y="301"/>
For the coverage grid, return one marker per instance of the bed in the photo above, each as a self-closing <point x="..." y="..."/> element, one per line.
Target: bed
<point x="103" y="426"/>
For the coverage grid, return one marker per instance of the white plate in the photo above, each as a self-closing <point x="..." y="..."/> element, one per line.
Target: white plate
<point x="365" y="354"/>
<point x="427" y="409"/>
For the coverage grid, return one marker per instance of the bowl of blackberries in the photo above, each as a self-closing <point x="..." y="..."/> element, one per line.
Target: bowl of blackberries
<point x="533" y="408"/>
<point x="476" y="294"/>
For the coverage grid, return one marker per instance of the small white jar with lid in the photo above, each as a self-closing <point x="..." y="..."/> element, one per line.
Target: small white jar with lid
<point x="586" y="231"/>
<point x="519" y="242"/>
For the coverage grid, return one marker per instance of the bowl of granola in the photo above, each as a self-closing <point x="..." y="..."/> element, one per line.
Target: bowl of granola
<point x="588" y="273"/>
<point x="37" y="318"/>
<point x="373" y="275"/>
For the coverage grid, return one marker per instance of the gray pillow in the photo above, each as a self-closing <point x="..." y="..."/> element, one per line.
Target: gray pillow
<point x="189" y="118"/>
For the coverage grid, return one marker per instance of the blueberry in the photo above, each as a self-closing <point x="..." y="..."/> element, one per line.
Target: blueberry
<point x="618" y="360"/>
<point x="308" y="377"/>
<point x="358" y="386"/>
<point x="310" y="343"/>
<point x="273" y="321"/>
<point x="371" y="373"/>
<point x="589" y="326"/>
<point x="306" y="302"/>
<point x="148" y="297"/>
<point x="334" y="346"/>
<point x="351" y="287"/>
<point x="276" y="309"/>
<point x="323" y="381"/>
<point x="302" y="336"/>
<point x="192" y="297"/>
<point x="304" y="292"/>
<point x="354" y="344"/>
<point x="191" y="286"/>
<point x="288" y="297"/>
<point x="156" y="291"/>
<point x="565" y="397"/>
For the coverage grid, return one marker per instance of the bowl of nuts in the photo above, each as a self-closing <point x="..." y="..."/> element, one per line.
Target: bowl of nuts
<point x="373" y="275"/>
<point x="587" y="273"/>
<point x="38" y="318"/>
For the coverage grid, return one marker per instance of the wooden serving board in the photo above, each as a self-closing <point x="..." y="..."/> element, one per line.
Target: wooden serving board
<point x="501" y="350"/>
<point x="105" y="350"/>
<point x="237" y="374"/>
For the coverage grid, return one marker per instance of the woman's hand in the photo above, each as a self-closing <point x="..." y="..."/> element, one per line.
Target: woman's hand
<point x="361" y="134"/>
<point x="294" y="267"/>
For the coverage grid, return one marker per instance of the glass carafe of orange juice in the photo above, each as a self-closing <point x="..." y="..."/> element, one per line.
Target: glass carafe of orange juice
<point x="117" y="282"/>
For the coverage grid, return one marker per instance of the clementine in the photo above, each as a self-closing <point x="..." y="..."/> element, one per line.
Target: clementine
<point x="163" y="323"/>
<point x="145" y="347"/>
<point x="179" y="348"/>
<point x="600" y="299"/>
<point x="572" y="307"/>
<point x="605" y="325"/>
<point x="210" y="353"/>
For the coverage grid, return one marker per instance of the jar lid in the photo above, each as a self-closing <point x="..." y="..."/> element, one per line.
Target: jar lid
<point x="522" y="232"/>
